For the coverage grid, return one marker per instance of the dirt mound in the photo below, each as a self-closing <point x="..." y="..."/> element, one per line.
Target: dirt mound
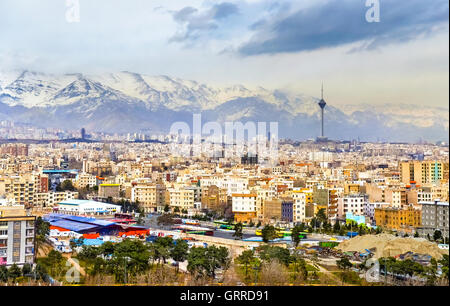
<point x="388" y="245"/>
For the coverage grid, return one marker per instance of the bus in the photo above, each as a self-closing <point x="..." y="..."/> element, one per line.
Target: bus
<point x="188" y="229"/>
<point x="283" y="233"/>
<point x="219" y="222"/>
<point x="190" y="222"/>
<point x="226" y="227"/>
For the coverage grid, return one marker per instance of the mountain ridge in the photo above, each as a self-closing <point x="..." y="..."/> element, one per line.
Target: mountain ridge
<point x="129" y="102"/>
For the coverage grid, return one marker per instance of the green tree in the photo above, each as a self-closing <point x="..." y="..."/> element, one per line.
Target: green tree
<point x="299" y="266"/>
<point x="166" y="219"/>
<point x="268" y="233"/>
<point x="205" y="261"/>
<point x="437" y="235"/>
<point x="166" y="208"/>
<point x="336" y="227"/>
<point x="321" y="215"/>
<point x="88" y="252"/>
<point x="55" y="261"/>
<point x="430" y="272"/>
<point x="179" y="251"/>
<point x="246" y="258"/>
<point x="41" y="272"/>
<point x="26" y="269"/>
<point x="296" y="231"/>
<point x="217" y="258"/>
<point x="130" y="258"/>
<point x="444" y="262"/>
<point x="314" y="223"/>
<point x="344" y="263"/>
<point x="163" y="246"/>
<point x="3" y="274"/>
<point x="106" y="249"/>
<point x="238" y="231"/>
<point x="67" y="186"/>
<point x="361" y="230"/>
<point x="268" y="253"/>
<point x="42" y="230"/>
<point x="197" y="262"/>
<point x="416" y="235"/>
<point x="100" y="267"/>
<point x="14" y="272"/>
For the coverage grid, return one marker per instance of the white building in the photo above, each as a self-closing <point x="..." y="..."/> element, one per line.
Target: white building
<point x="244" y="203"/>
<point x="299" y="206"/>
<point x="87" y="207"/>
<point x="231" y="184"/>
<point x="352" y="204"/>
<point x="50" y="199"/>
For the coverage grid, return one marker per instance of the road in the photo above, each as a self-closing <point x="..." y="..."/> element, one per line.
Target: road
<point x="247" y="233"/>
<point x="76" y="265"/>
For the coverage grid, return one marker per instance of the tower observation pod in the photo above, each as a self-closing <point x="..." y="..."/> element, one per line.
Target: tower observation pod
<point x="322" y="105"/>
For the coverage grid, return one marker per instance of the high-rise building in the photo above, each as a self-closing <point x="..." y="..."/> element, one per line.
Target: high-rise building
<point x="422" y="172"/>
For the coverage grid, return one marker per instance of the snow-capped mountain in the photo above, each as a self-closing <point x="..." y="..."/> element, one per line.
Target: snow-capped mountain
<point x="128" y="102"/>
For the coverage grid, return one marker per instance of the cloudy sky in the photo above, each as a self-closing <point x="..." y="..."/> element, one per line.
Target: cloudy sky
<point x="290" y="44"/>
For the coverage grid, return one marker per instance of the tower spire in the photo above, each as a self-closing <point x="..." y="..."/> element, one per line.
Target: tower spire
<point x="322" y="91"/>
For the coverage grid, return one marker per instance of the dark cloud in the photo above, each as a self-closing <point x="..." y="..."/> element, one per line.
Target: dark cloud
<point x="196" y="23"/>
<point x="223" y="10"/>
<point x="340" y="22"/>
<point x="185" y="14"/>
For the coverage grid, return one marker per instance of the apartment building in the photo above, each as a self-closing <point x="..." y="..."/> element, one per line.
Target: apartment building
<point x="150" y="197"/>
<point x="404" y="219"/>
<point x="328" y="199"/>
<point x="50" y="199"/>
<point x="244" y="207"/>
<point x="17" y="236"/>
<point x="231" y="184"/>
<point x="354" y="204"/>
<point x="181" y="198"/>
<point x="299" y="200"/>
<point x="369" y="209"/>
<point x="422" y="172"/>
<point x="214" y="198"/>
<point x="21" y="189"/>
<point x="109" y="190"/>
<point x="397" y="197"/>
<point x="435" y="216"/>
<point x="85" y="179"/>
<point x="272" y="210"/>
<point x="263" y="193"/>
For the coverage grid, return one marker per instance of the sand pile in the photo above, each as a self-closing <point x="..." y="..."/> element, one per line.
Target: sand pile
<point x="389" y="245"/>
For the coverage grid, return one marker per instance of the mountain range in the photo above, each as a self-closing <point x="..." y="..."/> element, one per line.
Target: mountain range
<point x="131" y="102"/>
